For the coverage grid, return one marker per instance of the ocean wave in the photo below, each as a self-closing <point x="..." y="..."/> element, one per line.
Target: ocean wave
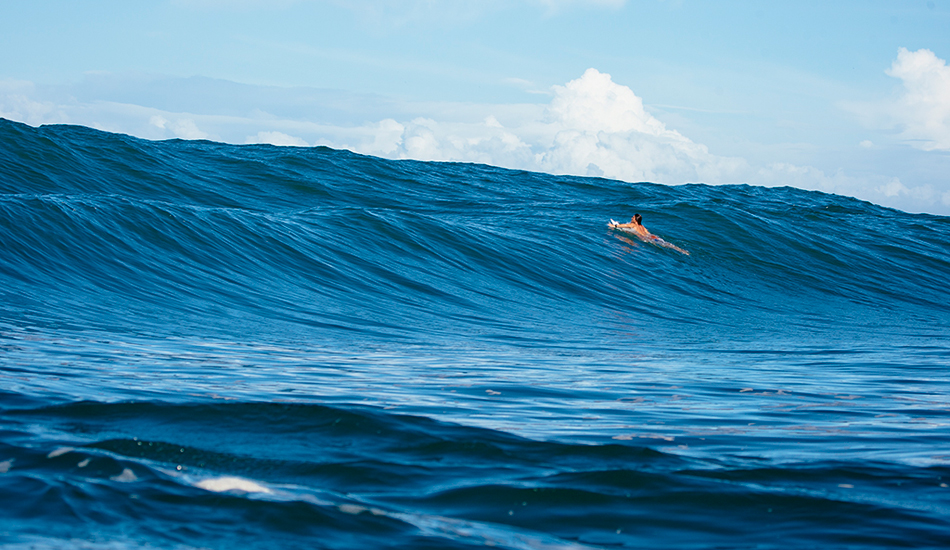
<point x="323" y="239"/>
<point x="410" y="479"/>
<point x="208" y="345"/>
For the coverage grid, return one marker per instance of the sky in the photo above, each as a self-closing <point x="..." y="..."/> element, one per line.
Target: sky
<point x="849" y="97"/>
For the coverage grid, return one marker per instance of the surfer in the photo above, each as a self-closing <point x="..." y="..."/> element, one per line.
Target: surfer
<point x="636" y="224"/>
<point x="636" y="227"/>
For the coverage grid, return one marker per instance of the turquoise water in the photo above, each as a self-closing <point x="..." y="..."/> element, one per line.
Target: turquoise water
<point x="215" y="346"/>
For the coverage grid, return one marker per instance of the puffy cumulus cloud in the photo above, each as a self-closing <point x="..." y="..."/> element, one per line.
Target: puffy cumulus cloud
<point x="923" y="110"/>
<point x="592" y="126"/>
<point x="601" y="127"/>
<point x="276" y="138"/>
<point x="594" y="103"/>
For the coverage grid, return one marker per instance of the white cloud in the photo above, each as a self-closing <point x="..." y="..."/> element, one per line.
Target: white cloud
<point x="385" y="137"/>
<point x="603" y="125"/>
<point x="895" y="188"/>
<point x="922" y="110"/>
<point x="594" y="103"/>
<point x="184" y="128"/>
<point x="17" y="102"/>
<point x="592" y="126"/>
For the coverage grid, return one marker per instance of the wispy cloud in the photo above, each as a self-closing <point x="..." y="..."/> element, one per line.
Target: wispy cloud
<point x="234" y="5"/>
<point x="399" y="13"/>
<point x="553" y="7"/>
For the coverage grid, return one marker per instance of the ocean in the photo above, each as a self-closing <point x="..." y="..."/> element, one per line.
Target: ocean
<point x="206" y="345"/>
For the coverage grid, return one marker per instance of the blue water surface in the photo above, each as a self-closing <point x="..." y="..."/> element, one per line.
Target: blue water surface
<point x="217" y="346"/>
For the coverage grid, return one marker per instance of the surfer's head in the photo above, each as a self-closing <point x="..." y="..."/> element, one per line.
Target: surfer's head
<point x="637" y="218"/>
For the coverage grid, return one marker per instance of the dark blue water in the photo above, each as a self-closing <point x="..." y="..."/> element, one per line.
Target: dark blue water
<point x="215" y="346"/>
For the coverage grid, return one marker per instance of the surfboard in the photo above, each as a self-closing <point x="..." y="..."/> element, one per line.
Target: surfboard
<point x="614" y="224"/>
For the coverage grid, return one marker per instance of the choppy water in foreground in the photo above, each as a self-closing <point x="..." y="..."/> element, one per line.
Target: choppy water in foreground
<point x="216" y="346"/>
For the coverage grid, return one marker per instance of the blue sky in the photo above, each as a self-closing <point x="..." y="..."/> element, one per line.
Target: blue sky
<point x="851" y="97"/>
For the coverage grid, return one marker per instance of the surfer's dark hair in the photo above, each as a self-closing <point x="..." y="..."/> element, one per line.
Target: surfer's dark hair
<point x="638" y="218"/>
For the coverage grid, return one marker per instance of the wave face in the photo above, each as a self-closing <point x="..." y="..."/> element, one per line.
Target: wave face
<point x="212" y="345"/>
